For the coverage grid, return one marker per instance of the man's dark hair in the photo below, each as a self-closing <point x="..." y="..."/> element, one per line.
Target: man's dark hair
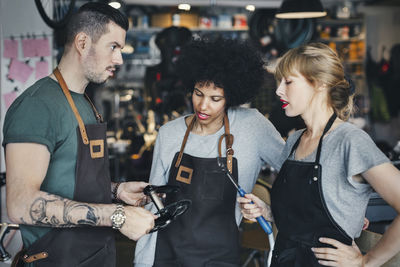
<point x="233" y="65"/>
<point x="93" y="19"/>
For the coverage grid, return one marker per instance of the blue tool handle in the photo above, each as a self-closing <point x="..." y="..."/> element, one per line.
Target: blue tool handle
<point x="264" y="224"/>
<point x="241" y="192"/>
<point x="261" y="220"/>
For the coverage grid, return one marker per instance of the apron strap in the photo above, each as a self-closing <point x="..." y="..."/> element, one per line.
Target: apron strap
<point x="189" y="128"/>
<point x="98" y="116"/>
<point x="327" y="127"/>
<point x="228" y="142"/>
<point x="296" y="144"/>
<point x="67" y="94"/>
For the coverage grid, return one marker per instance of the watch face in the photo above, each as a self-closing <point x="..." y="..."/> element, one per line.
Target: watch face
<point x="118" y="218"/>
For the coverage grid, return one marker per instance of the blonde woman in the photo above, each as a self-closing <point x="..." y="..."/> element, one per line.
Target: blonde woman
<point x="321" y="194"/>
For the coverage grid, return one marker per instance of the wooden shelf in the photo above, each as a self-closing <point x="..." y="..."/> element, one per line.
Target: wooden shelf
<point x="341" y="21"/>
<point x="214" y="29"/>
<point x="341" y="40"/>
<point x="243" y="29"/>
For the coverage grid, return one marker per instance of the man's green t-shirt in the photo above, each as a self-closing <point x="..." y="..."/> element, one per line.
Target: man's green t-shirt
<point x="42" y="115"/>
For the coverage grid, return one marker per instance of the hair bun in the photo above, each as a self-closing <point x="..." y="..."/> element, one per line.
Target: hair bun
<point x="352" y="87"/>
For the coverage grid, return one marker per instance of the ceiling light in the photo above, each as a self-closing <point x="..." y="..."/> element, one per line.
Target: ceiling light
<point x="185" y="7"/>
<point x="128" y="49"/>
<point x="115" y="4"/>
<point x="250" y="8"/>
<point x="298" y="9"/>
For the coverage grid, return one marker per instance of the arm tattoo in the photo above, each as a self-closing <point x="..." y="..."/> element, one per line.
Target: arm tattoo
<point x="90" y="218"/>
<point x="42" y="212"/>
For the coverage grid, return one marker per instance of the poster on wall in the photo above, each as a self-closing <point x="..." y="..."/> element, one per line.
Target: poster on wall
<point x="26" y="60"/>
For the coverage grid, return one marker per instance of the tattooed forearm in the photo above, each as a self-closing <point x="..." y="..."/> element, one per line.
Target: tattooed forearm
<point x="85" y="210"/>
<point x="47" y="212"/>
<point x="38" y="210"/>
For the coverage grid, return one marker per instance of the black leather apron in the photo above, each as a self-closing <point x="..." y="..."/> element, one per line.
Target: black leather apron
<point x="207" y="234"/>
<point x="300" y="211"/>
<point x="82" y="246"/>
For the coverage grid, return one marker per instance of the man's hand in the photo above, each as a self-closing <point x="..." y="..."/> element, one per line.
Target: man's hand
<point x="132" y="193"/>
<point x="138" y="222"/>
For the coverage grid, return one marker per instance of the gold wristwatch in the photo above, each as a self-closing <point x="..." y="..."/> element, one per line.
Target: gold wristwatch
<point x="118" y="217"/>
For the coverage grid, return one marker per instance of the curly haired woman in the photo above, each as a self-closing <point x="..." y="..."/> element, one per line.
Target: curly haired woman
<point x="222" y="75"/>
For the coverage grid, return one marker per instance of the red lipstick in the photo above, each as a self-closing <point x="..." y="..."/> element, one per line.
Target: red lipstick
<point x="284" y="103"/>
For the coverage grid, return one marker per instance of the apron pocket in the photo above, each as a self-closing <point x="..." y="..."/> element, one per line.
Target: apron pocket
<point x="220" y="264"/>
<point x="213" y="185"/>
<point x="97" y="259"/>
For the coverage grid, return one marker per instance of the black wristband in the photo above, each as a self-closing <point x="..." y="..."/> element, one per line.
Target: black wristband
<point x="115" y="192"/>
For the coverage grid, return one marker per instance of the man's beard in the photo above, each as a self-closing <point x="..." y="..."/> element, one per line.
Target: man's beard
<point x="90" y="75"/>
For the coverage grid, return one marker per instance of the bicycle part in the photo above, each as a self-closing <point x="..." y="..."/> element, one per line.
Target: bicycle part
<point x="58" y="16"/>
<point x="253" y="257"/>
<point x="171" y="211"/>
<point x="152" y="192"/>
<point x="5" y="228"/>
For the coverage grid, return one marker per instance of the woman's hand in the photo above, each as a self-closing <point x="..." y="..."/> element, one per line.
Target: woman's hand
<point x="253" y="210"/>
<point x="366" y="223"/>
<point x="342" y="255"/>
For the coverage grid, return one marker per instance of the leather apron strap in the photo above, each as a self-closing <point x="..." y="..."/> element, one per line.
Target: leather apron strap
<point x="189" y="128"/>
<point x="67" y="94"/>
<point x="228" y="141"/>
<point x="98" y="116"/>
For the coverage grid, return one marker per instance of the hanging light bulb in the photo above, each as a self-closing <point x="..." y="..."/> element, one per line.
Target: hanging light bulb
<point x="185" y="7"/>
<point x="250" y="8"/>
<point x="115" y="4"/>
<point x="298" y="9"/>
<point x="128" y="49"/>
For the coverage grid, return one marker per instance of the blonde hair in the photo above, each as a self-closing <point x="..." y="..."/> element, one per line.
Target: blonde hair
<point x="319" y="64"/>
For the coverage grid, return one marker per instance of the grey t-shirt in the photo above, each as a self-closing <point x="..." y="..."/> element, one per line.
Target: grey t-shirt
<point x="346" y="151"/>
<point x="256" y="141"/>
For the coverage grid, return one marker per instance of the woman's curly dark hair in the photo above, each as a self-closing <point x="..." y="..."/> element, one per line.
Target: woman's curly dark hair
<point x="233" y="65"/>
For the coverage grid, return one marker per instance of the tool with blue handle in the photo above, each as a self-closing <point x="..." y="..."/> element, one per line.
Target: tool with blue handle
<point x="261" y="220"/>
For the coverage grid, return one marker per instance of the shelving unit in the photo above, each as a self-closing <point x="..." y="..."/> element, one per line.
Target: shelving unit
<point x="347" y="38"/>
<point x="196" y="29"/>
<point x="144" y="56"/>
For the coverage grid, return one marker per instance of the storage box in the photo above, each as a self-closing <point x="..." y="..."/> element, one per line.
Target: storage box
<point x="188" y="20"/>
<point x="164" y="20"/>
<point x="161" y="20"/>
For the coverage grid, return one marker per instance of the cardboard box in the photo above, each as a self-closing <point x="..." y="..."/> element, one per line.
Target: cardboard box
<point x="161" y="20"/>
<point x="188" y="20"/>
<point x="164" y="20"/>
